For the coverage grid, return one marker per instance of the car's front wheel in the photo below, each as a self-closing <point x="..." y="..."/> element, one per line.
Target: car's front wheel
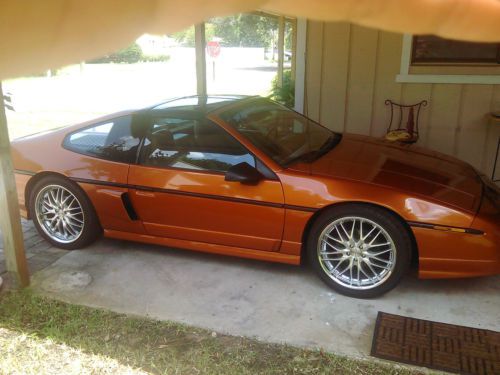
<point x="63" y="214"/>
<point x="359" y="250"/>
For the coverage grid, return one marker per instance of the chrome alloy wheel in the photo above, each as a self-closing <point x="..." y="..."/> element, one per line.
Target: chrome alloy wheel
<point x="59" y="213"/>
<point x="356" y="253"/>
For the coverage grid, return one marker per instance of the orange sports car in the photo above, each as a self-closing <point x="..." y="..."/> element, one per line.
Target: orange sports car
<point x="247" y="177"/>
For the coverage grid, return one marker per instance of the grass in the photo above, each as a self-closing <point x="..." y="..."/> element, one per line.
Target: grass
<point x="40" y="335"/>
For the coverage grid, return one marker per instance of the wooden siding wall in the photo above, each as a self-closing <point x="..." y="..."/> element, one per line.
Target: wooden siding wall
<point x="351" y="71"/>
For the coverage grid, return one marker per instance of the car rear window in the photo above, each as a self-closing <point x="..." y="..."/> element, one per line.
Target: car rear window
<point x="111" y="140"/>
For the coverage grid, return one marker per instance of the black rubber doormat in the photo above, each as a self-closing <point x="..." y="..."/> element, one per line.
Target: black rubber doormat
<point x="436" y="345"/>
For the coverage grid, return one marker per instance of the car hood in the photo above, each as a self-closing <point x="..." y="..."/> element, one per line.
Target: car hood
<point x="411" y="169"/>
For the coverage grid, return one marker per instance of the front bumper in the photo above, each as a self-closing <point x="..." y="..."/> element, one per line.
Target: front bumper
<point x="451" y="254"/>
<point x="455" y="255"/>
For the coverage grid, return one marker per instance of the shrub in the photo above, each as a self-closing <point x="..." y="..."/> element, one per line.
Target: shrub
<point x="129" y="55"/>
<point x="155" y="58"/>
<point x="286" y="93"/>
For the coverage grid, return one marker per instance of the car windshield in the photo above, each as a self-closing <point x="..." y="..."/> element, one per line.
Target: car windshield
<point x="284" y="135"/>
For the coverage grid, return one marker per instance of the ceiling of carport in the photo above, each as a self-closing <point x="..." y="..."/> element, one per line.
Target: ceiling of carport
<point x="36" y="35"/>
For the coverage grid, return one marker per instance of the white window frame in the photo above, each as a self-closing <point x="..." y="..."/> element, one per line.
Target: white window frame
<point x="405" y="76"/>
<point x="300" y="64"/>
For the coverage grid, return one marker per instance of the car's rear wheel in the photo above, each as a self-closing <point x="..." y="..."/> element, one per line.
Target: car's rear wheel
<point x="63" y="214"/>
<point x="359" y="250"/>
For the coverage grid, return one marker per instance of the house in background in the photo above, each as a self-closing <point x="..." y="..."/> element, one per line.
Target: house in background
<point x="156" y="45"/>
<point x="351" y="70"/>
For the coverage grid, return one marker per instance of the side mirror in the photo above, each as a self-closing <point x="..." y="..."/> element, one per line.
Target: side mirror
<point x="244" y="173"/>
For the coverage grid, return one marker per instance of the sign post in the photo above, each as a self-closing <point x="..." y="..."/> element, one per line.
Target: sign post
<point x="213" y="50"/>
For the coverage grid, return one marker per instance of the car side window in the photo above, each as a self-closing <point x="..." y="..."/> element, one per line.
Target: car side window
<point x="111" y="140"/>
<point x="195" y="144"/>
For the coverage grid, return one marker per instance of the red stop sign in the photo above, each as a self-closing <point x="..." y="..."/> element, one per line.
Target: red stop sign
<point x="213" y="49"/>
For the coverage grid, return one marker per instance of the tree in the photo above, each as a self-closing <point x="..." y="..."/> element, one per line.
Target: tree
<point x="240" y="30"/>
<point x="245" y="30"/>
<point x="186" y="37"/>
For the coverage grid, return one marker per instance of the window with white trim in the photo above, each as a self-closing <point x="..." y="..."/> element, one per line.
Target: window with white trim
<point x="430" y="49"/>
<point x="427" y="59"/>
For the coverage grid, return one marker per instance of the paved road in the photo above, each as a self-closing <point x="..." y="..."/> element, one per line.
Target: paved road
<point x="74" y="96"/>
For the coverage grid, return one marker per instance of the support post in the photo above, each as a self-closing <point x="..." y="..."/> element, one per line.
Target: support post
<point x="281" y="49"/>
<point x="10" y="219"/>
<point x="201" y="60"/>
<point x="300" y="65"/>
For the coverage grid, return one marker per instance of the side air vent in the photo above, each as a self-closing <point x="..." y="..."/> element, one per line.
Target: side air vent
<point x="128" y="207"/>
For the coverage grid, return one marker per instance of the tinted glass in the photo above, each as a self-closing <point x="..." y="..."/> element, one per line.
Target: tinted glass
<point x="284" y="135"/>
<point x="191" y="144"/>
<point x="112" y="140"/>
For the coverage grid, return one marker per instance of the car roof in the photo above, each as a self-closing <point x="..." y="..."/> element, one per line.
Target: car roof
<point x="200" y="104"/>
<point x="194" y="106"/>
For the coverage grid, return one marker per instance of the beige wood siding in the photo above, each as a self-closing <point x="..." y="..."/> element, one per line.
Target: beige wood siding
<point x="351" y="71"/>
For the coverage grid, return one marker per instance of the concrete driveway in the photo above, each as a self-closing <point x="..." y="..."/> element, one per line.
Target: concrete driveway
<point x="272" y="302"/>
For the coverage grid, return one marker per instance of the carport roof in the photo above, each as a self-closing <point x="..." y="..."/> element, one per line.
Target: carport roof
<point x="43" y="34"/>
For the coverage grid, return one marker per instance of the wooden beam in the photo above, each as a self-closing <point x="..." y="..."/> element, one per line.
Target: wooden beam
<point x="201" y="60"/>
<point x="281" y="49"/>
<point x="10" y="219"/>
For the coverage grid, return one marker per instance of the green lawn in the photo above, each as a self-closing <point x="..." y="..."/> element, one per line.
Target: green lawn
<point x="40" y="335"/>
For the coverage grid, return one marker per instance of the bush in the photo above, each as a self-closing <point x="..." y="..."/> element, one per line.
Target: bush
<point x="155" y="58"/>
<point x="286" y="93"/>
<point x="131" y="54"/>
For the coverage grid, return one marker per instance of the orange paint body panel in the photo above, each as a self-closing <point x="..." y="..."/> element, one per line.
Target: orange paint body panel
<point x="458" y="254"/>
<point x="216" y="211"/>
<point x="21" y="182"/>
<point x="206" y="247"/>
<point x="110" y="210"/>
<point x="293" y="232"/>
<point x="202" y="211"/>
<point x="319" y="192"/>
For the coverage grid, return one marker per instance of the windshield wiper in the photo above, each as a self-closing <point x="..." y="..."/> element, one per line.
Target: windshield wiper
<point x="307" y="157"/>
<point x="327" y="146"/>
<point x="310" y="156"/>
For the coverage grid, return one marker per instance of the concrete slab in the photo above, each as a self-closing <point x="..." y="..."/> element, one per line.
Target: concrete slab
<point x="273" y="302"/>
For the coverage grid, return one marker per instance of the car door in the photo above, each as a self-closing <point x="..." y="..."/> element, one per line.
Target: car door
<point x="178" y="187"/>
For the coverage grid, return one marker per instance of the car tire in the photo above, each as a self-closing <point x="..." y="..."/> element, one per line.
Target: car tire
<point x="63" y="214"/>
<point x="359" y="250"/>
